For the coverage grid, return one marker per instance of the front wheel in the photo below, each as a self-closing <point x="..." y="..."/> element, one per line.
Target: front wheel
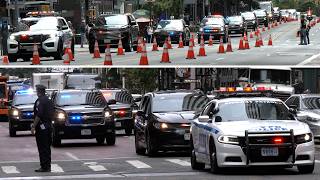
<point x="214" y="168"/>
<point x="56" y="141"/>
<point x="225" y="39"/>
<point x="100" y="140"/>
<point x="12" y="131"/>
<point x="128" y="131"/>
<point x="128" y="45"/>
<point x="306" y="169"/>
<point x="139" y="150"/>
<point x="12" y="58"/>
<point x="150" y="150"/>
<point x="111" y="139"/>
<point x="194" y="164"/>
<point x="59" y="53"/>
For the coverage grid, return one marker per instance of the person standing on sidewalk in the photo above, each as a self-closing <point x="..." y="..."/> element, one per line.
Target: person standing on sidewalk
<point x="83" y="27"/>
<point x="42" y="128"/>
<point x="303" y="31"/>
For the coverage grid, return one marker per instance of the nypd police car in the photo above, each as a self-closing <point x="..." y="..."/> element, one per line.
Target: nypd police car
<point x="51" y="34"/>
<point x="250" y="131"/>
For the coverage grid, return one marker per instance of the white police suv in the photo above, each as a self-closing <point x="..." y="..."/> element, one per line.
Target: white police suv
<point x="237" y="131"/>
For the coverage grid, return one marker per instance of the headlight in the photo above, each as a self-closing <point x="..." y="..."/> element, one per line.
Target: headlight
<point x="61" y="116"/>
<point x="107" y="114"/>
<point x="228" y="139"/>
<point x="222" y="29"/>
<point x="270" y="15"/>
<point x="253" y="21"/>
<point x="241" y="25"/>
<point x="15" y="112"/>
<point x="12" y="37"/>
<point x="161" y="125"/>
<point x="201" y="29"/>
<point x="265" y="18"/>
<point x="53" y="35"/>
<point x="303" y="138"/>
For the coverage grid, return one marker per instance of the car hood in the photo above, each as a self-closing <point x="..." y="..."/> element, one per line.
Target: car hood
<point x="175" y="117"/>
<point x="313" y="113"/>
<point x="239" y="128"/>
<point x="119" y="106"/>
<point x="81" y="109"/>
<point x="30" y="33"/>
<point x="27" y="107"/>
<point x="276" y="87"/>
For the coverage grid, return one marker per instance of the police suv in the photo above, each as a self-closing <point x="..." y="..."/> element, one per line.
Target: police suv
<point x="51" y="34"/>
<point x="237" y="131"/>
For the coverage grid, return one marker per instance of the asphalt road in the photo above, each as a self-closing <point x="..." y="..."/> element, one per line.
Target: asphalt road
<point x="84" y="159"/>
<point x="285" y="51"/>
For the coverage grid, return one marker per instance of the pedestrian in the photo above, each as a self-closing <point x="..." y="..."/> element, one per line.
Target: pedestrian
<point x="150" y="33"/>
<point x="42" y="128"/>
<point x="83" y="28"/>
<point x="303" y="31"/>
<point x="307" y="33"/>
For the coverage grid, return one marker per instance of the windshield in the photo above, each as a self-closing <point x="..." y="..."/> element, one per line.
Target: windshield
<point x="235" y="19"/>
<point x="212" y="21"/>
<point x="266" y="6"/>
<point x="112" y="20"/>
<point x="118" y="95"/>
<point x="248" y="16"/>
<point x="81" y="98"/>
<point x="24" y="99"/>
<point x="311" y="102"/>
<point x="83" y="82"/>
<point x="260" y="13"/>
<point x="255" y="109"/>
<point x="46" y="23"/>
<point x="177" y="103"/>
<point x="270" y="76"/>
<point x="175" y="25"/>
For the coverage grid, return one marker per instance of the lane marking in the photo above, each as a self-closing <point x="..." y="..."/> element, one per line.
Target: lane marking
<point x="138" y="164"/>
<point x="161" y="174"/>
<point x="97" y="168"/>
<point x="219" y="59"/>
<point x="55" y="168"/>
<point x="72" y="156"/>
<point x="10" y="169"/>
<point x="180" y="162"/>
<point x="317" y="161"/>
<point x="308" y="60"/>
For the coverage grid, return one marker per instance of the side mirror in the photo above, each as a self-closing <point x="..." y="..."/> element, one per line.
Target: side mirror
<point x="64" y="27"/>
<point x="112" y="101"/>
<point x="218" y="119"/>
<point x="140" y="113"/>
<point x="293" y="111"/>
<point x="133" y="23"/>
<point x="138" y="99"/>
<point x="203" y="119"/>
<point x="292" y="106"/>
<point x="186" y="26"/>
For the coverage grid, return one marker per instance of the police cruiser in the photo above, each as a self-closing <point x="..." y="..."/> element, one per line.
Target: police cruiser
<point x="237" y="131"/>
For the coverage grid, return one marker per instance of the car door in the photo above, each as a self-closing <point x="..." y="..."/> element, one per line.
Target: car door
<point x="141" y="121"/>
<point x="134" y="29"/>
<point x="67" y="33"/>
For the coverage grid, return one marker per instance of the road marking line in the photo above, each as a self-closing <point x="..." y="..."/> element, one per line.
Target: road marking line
<point x="72" y="156"/>
<point x="97" y="168"/>
<point x="55" y="168"/>
<point x="180" y="162"/>
<point x="138" y="164"/>
<point x="10" y="169"/>
<point x="317" y="161"/>
<point x="219" y="59"/>
<point x="308" y="60"/>
<point x="161" y="174"/>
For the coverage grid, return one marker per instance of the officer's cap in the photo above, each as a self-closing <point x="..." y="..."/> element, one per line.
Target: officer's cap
<point x="40" y="88"/>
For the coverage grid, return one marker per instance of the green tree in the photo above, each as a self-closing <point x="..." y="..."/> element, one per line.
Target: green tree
<point x="169" y="7"/>
<point x="141" y="80"/>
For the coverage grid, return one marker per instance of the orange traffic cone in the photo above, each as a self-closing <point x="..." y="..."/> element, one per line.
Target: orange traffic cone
<point x="155" y="45"/>
<point x="5" y="60"/>
<point x="67" y="57"/>
<point x="269" y="26"/>
<point x="190" y="54"/>
<point x="245" y="37"/>
<point x="246" y="45"/>
<point x="180" y="42"/>
<point x="261" y="41"/>
<point x="69" y="54"/>
<point x="139" y="48"/>
<point x="221" y="47"/>
<point x="202" y="51"/>
<point x="192" y="41"/>
<point x="96" y="52"/>
<point x="241" y="47"/>
<point x="120" y="48"/>
<point x="257" y="42"/>
<point x="263" y="29"/>
<point x="35" y="56"/>
<point x="169" y="43"/>
<point x="251" y="35"/>
<point x="229" y="46"/>
<point x="210" y="40"/>
<point x="144" y="57"/>
<point x="270" y="41"/>
<point x="107" y="57"/>
<point x="165" y="55"/>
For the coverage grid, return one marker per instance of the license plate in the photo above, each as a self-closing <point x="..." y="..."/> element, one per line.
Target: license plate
<point x="85" y="132"/>
<point x="187" y="136"/>
<point x="27" y="48"/>
<point x="270" y="151"/>
<point x="233" y="31"/>
<point x="107" y="41"/>
<point x="118" y="124"/>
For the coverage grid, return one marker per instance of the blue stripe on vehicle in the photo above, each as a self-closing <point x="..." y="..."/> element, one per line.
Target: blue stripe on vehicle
<point x="207" y="128"/>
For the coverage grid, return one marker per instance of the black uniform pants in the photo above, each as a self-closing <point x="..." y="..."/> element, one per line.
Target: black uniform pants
<point x="44" y="140"/>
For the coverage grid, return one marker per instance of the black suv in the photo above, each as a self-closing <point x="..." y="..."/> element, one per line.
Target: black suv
<point x="262" y="17"/>
<point x="172" y="28"/>
<point x="122" y="104"/>
<point x="164" y="118"/>
<point x="250" y="19"/>
<point x="216" y="25"/>
<point x="82" y="114"/>
<point x="237" y="25"/>
<point x="108" y="29"/>
<point x="21" y="111"/>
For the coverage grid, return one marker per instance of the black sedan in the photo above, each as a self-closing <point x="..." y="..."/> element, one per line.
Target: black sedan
<point x="237" y="25"/>
<point x="164" y="119"/>
<point x="172" y="28"/>
<point x="308" y="110"/>
<point x="250" y="19"/>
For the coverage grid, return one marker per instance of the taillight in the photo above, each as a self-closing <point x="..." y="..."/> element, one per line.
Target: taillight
<point x="278" y="140"/>
<point x="261" y="89"/>
<point x="122" y="113"/>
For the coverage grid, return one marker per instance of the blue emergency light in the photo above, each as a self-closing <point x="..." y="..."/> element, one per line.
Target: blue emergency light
<point x="28" y="91"/>
<point x="65" y="96"/>
<point x="171" y="33"/>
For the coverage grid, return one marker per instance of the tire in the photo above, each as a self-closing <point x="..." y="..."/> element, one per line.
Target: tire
<point x="194" y="164"/>
<point x="199" y="40"/>
<point x="214" y="168"/>
<point x="100" y="140"/>
<point x="91" y="47"/>
<point x="128" y="131"/>
<point x="266" y="24"/>
<point x="102" y="49"/>
<point x="56" y="140"/>
<point x="150" y="150"/>
<point x="12" y="131"/>
<point x="306" y="169"/>
<point x="59" y="53"/>
<point x="139" y="150"/>
<point x="72" y="47"/>
<point x="12" y="58"/>
<point x="111" y="139"/>
<point x="128" y="45"/>
<point x="225" y="39"/>
<point x="26" y="59"/>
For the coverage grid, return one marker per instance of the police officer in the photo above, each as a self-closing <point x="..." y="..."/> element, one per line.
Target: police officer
<point x="42" y="128"/>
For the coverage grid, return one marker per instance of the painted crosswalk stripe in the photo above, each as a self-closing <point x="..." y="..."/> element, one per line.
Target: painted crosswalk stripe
<point x="97" y="168"/>
<point x="179" y="161"/>
<point x="55" y="168"/>
<point x="138" y="164"/>
<point x="10" y="169"/>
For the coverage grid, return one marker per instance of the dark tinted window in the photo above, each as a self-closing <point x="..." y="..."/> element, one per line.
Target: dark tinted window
<point x="259" y="110"/>
<point x="311" y="102"/>
<point x="81" y="98"/>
